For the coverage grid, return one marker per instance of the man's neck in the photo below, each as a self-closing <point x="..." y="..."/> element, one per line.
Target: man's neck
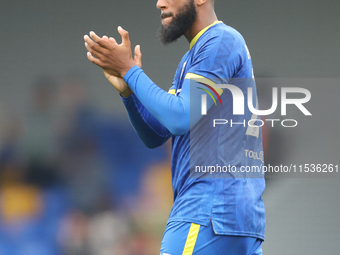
<point x="201" y="22"/>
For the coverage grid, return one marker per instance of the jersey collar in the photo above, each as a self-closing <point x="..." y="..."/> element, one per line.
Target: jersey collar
<point x="193" y="41"/>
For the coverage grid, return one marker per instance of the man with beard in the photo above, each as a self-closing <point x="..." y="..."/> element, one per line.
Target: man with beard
<point x="209" y="215"/>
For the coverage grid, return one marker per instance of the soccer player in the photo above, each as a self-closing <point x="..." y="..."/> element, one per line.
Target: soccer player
<point x="220" y="215"/>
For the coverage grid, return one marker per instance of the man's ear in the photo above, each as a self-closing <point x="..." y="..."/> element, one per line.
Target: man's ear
<point x="200" y="2"/>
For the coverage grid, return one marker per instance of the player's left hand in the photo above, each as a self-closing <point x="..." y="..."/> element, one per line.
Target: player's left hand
<point x="115" y="59"/>
<point x="119" y="83"/>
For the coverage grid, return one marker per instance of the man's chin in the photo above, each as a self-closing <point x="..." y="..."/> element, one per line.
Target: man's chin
<point x="166" y="36"/>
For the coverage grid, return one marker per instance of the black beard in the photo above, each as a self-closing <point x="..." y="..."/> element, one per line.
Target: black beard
<point x="179" y="24"/>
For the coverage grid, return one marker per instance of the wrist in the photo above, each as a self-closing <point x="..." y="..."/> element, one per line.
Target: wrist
<point x="124" y="72"/>
<point x="126" y="93"/>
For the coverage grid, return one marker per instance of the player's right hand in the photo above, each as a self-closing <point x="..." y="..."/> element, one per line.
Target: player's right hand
<point x="117" y="82"/>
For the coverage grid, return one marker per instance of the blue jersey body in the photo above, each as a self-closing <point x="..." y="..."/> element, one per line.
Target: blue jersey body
<point x="217" y="55"/>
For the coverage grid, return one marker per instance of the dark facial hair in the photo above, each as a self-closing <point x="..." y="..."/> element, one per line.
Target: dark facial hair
<point x="180" y="23"/>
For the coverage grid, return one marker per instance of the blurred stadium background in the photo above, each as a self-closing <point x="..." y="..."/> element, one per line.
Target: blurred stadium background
<point x="75" y="179"/>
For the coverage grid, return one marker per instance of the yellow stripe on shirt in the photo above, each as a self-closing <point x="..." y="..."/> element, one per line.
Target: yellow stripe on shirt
<point x="191" y="239"/>
<point x="193" y="41"/>
<point x="172" y="91"/>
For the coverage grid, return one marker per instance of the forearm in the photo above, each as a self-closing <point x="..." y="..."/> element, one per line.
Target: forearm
<point x="149" y="129"/>
<point x="172" y="111"/>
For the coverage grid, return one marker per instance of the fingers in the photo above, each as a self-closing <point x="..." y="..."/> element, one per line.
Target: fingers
<point x="98" y="47"/>
<point x="93" y="60"/>
<point x="125" y="36"/>
<point x="110" y="39"/>
<point x="91" y="51"/>
<point x="95" y="49"/>
<point x="100" y="41"/>
<point x="113" y="40"/>
<point x="138" y="56"/>
<point x="94" y="36"/>
<point x="97" y="39"/>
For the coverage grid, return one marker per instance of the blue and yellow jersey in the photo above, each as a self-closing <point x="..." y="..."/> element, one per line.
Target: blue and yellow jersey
<point x="233" y="203"/>
<point x="217" y="55"/>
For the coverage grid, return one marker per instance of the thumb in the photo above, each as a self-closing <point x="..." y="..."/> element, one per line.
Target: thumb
<point x="138" y="56"/>
<point x="125" y="35"/>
